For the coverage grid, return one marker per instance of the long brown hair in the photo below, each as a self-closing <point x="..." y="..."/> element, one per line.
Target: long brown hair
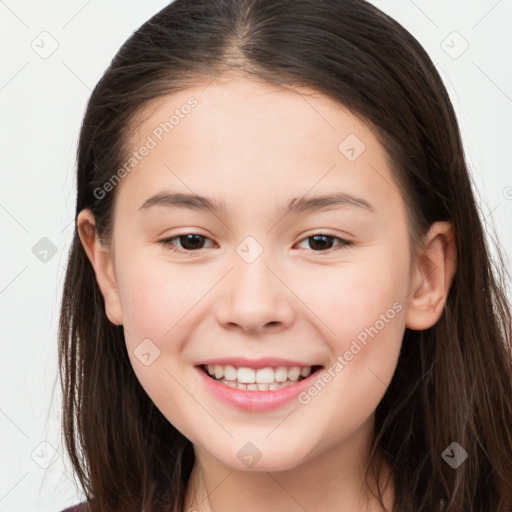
<point x="453" y="381"/>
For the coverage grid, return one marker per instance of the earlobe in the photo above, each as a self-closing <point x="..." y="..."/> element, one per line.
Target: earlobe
<point x="101" y="260"/>
<point x="432" y="277"/>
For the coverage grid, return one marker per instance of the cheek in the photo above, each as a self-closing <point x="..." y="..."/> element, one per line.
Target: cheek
<point x="368" y="324"/>
<point x="371" y="328"/>
<point x="349" y="300"/>
<point x="157" y="297"/>
<point x="158" y="305"/>
<point x="361" y="308"/>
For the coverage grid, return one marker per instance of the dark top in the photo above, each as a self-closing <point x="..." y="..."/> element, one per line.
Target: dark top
<point x="76" y="508"/>
<point x="81" y="506"/>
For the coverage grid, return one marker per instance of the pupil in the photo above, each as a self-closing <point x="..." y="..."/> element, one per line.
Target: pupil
<point x="317" y="239"/>
<point x="187" y="241"/>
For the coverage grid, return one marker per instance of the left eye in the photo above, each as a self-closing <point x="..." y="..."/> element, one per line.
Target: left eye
<point x="322" y="240"/>
<point x="192" y="242"/>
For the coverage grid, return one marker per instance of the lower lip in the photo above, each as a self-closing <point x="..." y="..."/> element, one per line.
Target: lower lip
<point x="256" y="400"/>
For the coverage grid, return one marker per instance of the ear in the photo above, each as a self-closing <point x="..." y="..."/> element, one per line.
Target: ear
<point x="431" y="277"/>
<point x="101" y="259"/>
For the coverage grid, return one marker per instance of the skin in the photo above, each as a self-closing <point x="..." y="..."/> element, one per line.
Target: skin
<point x="255" y="146"/>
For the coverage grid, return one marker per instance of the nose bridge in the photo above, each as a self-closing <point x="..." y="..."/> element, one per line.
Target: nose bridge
<point x="254" y="296"/>
<point x="252" y="278"/>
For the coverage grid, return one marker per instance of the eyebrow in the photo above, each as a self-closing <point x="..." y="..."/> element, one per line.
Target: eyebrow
<point x="295" y="206"/>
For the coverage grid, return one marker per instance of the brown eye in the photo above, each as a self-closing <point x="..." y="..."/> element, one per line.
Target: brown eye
<point x="324" y="242"/>
<point x="188" y="242"/>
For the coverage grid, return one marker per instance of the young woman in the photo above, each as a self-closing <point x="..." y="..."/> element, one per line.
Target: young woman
<point x="279" y="294"/>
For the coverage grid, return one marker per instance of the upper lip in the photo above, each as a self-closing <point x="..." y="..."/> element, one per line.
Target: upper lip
<point x="263" y="362"/>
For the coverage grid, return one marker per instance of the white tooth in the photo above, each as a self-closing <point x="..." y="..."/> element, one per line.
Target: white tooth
<point x="305" y="371"/>
<point x="246" y="375"/>
<point x="257" y="387"/>
<point x="294" y="373"/>
<point x="264" y="375"/>
<point x="211" y="370"/>
<point x="229" y="372"/>
<point x="219" y="372"/>
<point x="281" y="374"/>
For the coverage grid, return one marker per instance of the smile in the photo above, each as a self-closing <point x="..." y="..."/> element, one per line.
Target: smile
<point x="258" y="379"/>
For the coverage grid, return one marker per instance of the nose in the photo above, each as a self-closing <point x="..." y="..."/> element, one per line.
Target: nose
<point x="254" y="296"/>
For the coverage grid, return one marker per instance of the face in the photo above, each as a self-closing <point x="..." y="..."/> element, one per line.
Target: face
<point x="271" y="276"/>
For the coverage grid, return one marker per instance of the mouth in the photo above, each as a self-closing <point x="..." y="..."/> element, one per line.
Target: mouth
<point x="258" y="379"/>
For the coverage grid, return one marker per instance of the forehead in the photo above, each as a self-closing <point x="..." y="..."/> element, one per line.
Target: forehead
<point x="235" y="135"/>
<point x="231" y="101"/>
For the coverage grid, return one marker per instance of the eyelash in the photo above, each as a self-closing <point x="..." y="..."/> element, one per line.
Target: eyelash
<point x="342" y="242"/>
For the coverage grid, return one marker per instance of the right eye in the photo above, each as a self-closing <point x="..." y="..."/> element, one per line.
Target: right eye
<point x="191" y="242"/>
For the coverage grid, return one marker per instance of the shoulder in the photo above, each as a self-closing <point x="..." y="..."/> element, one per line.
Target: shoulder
<point x="76" y="508"/>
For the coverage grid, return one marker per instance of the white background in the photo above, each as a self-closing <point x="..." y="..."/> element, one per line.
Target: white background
<point x="42" y="102"/>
